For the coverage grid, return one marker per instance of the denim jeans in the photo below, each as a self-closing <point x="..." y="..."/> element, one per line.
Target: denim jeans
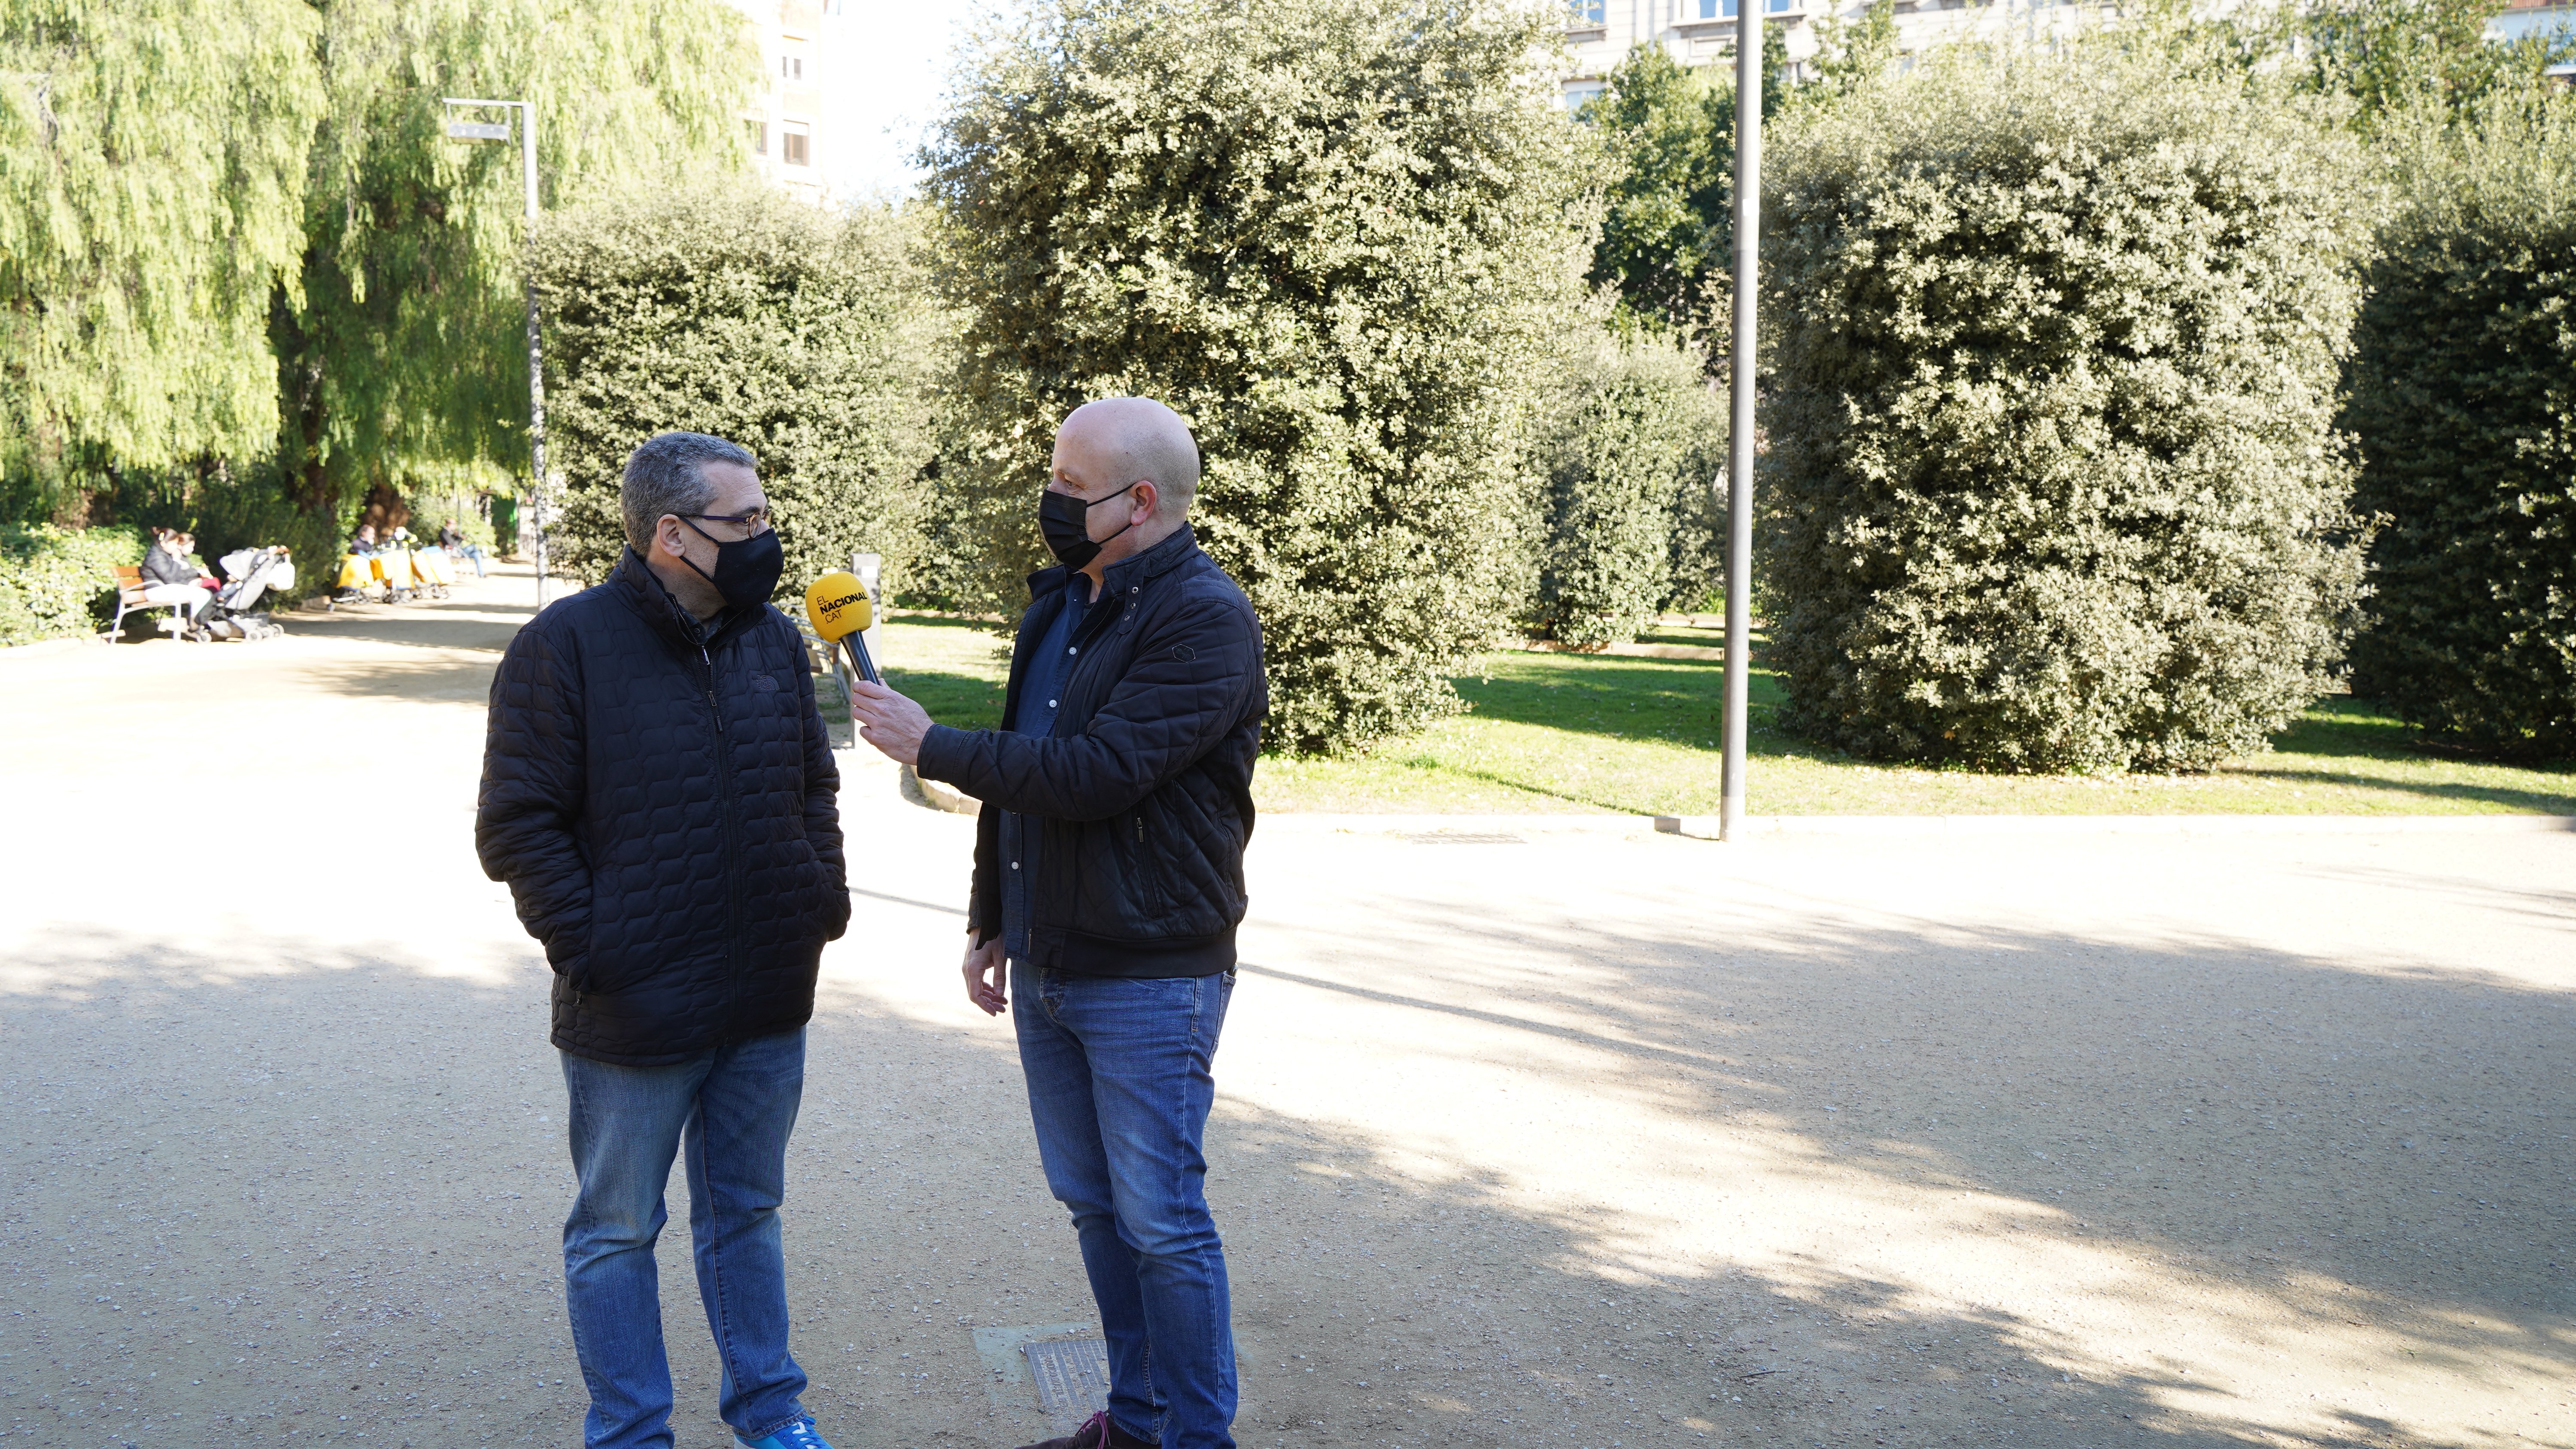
<point x="733" y="1107"/>
<point x="1119" y="1087"/>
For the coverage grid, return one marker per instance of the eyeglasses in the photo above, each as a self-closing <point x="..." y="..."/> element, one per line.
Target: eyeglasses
<point x="753" y="523"/>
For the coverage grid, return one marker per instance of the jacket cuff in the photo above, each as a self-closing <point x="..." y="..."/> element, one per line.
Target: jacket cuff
<point x="938" y="757"/>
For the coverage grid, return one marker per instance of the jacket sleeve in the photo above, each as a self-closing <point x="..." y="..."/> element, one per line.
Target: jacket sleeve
<point x="823" y="801"/>
<point x="534" y="764"/>
<point x="1186" y="685"/>
<point x="984" y="897"/>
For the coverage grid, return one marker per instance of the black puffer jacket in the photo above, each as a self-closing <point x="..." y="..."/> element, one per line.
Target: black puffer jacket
<point x="161" y="566"/>
<point x="1142" y="795"/>
<point x="664" y="813"/>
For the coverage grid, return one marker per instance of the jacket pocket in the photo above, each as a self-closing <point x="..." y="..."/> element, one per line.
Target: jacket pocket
<point x="1145" y="865"/>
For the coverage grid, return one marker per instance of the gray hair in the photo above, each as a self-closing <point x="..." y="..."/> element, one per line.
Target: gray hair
<point x="668" y="474"/>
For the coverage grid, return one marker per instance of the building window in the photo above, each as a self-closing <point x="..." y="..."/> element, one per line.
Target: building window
<point x="791" y="67"/>
<point x="1717" y="9"/>
<point x="1578" y="92"/>
<point x="758" y="131"/>
<point x="791" y="147"/>
<point x="1591" y="12"/>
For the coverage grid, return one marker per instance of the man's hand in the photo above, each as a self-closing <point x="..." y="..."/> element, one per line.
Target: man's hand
<point x="984" y="970"/>
<point x="889" y="721"/>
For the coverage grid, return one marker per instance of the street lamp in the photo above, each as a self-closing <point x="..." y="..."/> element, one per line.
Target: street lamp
<point x="1739" y="462"/>
<point x="464" y="130"/>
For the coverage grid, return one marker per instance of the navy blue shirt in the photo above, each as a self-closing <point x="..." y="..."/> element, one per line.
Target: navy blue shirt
<point x="1041" y="693"/>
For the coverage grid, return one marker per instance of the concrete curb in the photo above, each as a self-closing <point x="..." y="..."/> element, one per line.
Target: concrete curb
<point x="1705" y="826"/>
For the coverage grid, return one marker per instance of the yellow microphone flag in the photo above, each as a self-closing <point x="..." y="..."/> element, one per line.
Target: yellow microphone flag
<point x="838" y="606"/>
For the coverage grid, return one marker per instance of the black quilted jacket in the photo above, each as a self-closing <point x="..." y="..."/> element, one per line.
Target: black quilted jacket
<point x="664" y="814"/>
<point x="1142" y="795"/>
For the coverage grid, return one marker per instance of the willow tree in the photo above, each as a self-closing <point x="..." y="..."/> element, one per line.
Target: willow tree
<point x="406" y="339"/>
<point x="151" y="205"/>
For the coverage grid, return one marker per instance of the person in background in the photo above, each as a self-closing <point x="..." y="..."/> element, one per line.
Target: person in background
<point x="452" y="539"/>
<point x="171" y="577"/>
<point x="355" y="572"/>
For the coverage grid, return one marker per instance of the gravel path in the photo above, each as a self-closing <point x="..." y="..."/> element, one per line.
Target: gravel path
<point x="1582" y="1142"/>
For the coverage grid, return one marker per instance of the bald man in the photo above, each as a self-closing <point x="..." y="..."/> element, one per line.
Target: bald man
<point x="1108" y="883"/>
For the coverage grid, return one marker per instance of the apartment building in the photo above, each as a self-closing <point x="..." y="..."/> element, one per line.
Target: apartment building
<point x="1601" y="33"/>
<point x="781" y="123"/>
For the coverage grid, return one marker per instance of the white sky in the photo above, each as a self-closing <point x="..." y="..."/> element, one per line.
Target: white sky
<point x="884" y="66"/>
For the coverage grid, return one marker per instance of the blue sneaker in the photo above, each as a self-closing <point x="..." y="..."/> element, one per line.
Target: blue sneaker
<point x="799" y="1435"/>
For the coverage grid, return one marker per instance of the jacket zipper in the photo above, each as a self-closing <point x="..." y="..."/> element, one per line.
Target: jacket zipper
<point x="733" y="845"/>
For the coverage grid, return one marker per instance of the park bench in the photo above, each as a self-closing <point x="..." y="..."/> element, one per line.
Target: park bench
<point x="129" y="598"/>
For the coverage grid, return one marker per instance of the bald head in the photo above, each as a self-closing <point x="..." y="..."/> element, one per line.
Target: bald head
<point x="1132" y="438"/>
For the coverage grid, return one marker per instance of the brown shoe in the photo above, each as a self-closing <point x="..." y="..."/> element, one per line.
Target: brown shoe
<point x="1097" y="1432"/>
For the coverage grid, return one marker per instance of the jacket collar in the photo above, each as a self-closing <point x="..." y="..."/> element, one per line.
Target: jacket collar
<point x="1154" y="562"/>
<point x="677" y="625"/>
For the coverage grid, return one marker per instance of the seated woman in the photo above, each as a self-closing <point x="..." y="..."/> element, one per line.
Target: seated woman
<point x="169" y="578"/>
<point x="355" y="570"/>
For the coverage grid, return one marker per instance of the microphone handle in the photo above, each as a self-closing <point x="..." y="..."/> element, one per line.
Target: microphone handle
<point x="858" y="648"/>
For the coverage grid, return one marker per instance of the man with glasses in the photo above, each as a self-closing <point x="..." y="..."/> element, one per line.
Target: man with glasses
<point x="1109" y="875"/>
<point x="659" y="793"/>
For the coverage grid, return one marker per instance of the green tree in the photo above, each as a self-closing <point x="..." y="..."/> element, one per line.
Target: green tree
<point x="1623" y="458"/>
<point x="1850" y="53"/>
<point x="2396" y="56"/>
<point x="1668" y="131"/>
<point x="151" y="204"/>
<point x="734" y="310"/>
<point x="408" y="337"/>
<point x="1338" y="237"/>
<point x="2463" y="398"/>
<point x="2053" y="482"/>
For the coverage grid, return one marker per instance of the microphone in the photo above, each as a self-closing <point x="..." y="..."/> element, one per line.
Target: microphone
<point x="838" y="607"/>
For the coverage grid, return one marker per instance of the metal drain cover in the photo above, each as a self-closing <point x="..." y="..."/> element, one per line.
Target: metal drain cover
<point x="1072" y="1374"/>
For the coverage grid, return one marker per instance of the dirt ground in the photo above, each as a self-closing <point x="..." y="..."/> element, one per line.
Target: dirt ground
<point x="1583" y="1141"/>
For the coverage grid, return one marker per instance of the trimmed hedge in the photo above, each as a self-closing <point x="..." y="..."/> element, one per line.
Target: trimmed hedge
<point x="2052" y="480"/>
<point x="53" y="581"/>
<point x="1338" y="237"/>
<point x="732" y="309"/>
<point x="2464" y="400"/>
<point x="1623" y="463"/>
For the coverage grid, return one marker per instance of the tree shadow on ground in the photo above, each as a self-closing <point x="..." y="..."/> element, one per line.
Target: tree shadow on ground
<point x="431" y="624"/>
<point x="327" y="1179"/>
<point x="2545" y="801"/>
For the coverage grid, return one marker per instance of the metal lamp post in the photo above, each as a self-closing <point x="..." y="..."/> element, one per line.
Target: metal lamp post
<point x="500" y="131"/>
<point x="1739" y="463"/>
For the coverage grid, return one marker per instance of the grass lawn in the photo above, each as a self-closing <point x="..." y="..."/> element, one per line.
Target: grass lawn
<point x="1630" y="735"/>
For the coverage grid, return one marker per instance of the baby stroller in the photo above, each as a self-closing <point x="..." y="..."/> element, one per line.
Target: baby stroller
<point x="249" y="573"/>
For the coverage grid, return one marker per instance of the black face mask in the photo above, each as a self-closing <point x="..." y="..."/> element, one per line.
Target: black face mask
<point x="1063" y="518"/>
<point x="746" y="568"/>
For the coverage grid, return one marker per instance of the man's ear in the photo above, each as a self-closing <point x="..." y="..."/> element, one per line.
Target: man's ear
<point x="666" y="534"/>
<point x="1146" y="496"/>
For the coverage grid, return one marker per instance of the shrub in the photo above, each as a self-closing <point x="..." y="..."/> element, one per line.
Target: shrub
<point x="2052" y="481"/>
<point x="1623" y="462"/>
<point x="1337" y="236"/>
<point x="54" y="582"/>
<point x="737" y="311"/>
<point x="2464" y="401"/>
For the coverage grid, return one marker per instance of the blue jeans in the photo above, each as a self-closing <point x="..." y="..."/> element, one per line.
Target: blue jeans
<point x="733" y="1106"/>
<point x="1119" y="1087"/>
